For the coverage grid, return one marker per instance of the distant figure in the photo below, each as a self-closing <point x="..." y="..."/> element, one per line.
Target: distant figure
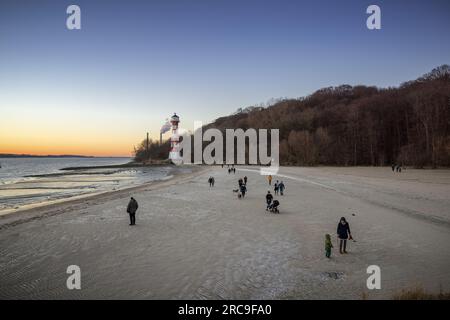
<point x="269" y="177"/>
<point x="243" y="190"/>
<point x="245" y="180"/>
<point x="393" y="167"/>
<point x="399" y="168"/>
<point x="229" y="170"/>
<point x="274" y="206"/>
<point x="281" y="187"/>
<point x="211" y="181"/>
<point x="343" y="232"/>
<point x="131" y="209"/>
<point x="240" y="182"/>
<point x="275" y="188"/>
<point x="234" y="170"/>
<point x="328" y="246"/>
<point x="269" y="199"/>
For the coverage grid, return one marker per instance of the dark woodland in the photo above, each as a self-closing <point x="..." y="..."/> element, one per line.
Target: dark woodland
<point x="353" y="125"/>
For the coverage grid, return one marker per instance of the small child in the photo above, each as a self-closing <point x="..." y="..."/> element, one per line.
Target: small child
<point x="328" y="245"/>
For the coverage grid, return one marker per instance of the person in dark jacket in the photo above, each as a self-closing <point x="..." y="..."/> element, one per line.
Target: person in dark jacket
<point x="343" y="232"/>
<point x="131" y="209"/>
<point x="245" y="180"/>
<point x="243" y="190"/>
<point x="269" y="199"/>
<point x="281" y="187"/>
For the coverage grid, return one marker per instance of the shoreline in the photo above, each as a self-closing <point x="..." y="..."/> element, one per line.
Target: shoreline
<point x="121" y="166"/>
<point x="31" y="212"/>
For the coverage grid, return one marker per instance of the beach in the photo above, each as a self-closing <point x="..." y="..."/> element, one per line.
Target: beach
<point x="193" y="241"/>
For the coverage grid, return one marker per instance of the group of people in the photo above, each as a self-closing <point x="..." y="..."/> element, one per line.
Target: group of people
<point x="231" y="169"/>
<point x="242" y="187"/>
<point x="396" y="167"/>
<point x="279" y="188"/>
<point x="343" y="228"/>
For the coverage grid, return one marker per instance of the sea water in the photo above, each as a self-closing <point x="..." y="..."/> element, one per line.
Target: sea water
<point x="30" y="181"/>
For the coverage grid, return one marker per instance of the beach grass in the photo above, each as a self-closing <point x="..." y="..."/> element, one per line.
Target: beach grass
<point x="419" y="293"/>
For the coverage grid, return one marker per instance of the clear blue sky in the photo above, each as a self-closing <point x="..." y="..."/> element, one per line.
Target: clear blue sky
<point x="135" y="62"/>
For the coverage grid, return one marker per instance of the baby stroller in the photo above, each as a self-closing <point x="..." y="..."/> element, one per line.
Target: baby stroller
<point x="274" y="206"/>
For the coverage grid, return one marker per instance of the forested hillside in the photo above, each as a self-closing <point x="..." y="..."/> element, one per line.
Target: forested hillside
<point x="359" y="125"/>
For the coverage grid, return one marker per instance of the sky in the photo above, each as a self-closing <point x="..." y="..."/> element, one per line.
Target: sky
<point x="98" y="90"/>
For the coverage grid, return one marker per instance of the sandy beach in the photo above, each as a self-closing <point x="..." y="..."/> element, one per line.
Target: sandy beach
<point x="196" y="242"/>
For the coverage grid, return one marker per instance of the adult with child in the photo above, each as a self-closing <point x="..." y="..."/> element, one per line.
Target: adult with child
<point x="344" y="234"/>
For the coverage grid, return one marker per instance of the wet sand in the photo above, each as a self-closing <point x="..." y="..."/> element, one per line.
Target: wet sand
<point x="196" y="242"/>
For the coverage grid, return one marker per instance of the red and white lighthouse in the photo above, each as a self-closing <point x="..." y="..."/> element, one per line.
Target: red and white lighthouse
<point x="174" y="154"/>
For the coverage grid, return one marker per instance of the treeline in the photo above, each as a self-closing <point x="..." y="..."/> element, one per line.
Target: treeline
<point x="360" y="125"/>
<point x="149" y="150"/>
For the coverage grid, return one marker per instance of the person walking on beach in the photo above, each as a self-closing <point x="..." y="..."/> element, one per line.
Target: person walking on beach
<point x="131" y="209"/>
<point x="269" y="198"/>
<point x="343" y="232"/>
<point x="243" y="190"/>
<point x="281" y="187"/>
<point x="269" y="178"/>
<point x="328" y="246"/>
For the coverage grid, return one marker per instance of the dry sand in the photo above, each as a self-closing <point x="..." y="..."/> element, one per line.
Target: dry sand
<point x="196" y="242"/>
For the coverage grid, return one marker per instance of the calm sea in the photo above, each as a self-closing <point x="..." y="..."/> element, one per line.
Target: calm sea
<point x="31" y="181"/>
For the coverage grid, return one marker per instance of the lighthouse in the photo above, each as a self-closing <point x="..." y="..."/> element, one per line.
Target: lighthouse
<point x="174" y="154"/>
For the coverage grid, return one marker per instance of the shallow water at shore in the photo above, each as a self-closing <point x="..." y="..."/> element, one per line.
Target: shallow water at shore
<point x="35" y="181"/>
